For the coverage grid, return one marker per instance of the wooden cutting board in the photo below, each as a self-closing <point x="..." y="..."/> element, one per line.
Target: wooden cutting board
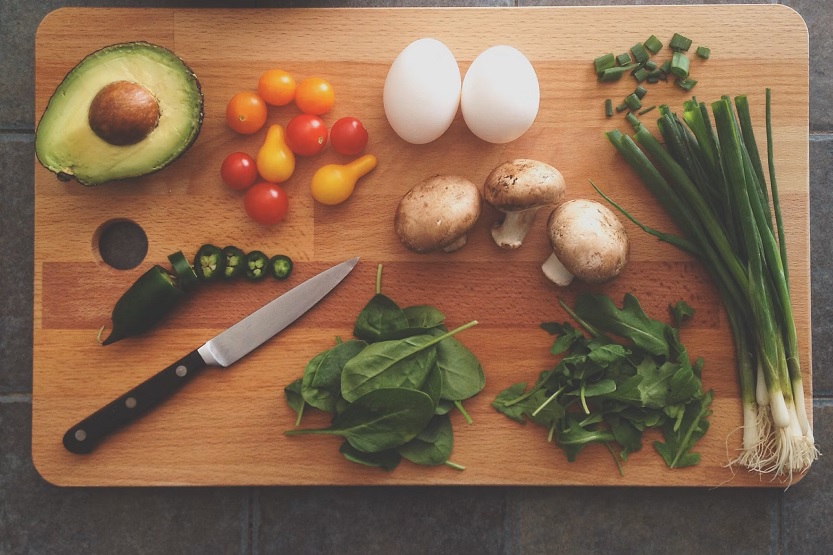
<point x="226" y="428"/>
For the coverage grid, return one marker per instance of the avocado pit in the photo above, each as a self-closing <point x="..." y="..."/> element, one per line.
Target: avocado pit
<point x="123" y="113"/>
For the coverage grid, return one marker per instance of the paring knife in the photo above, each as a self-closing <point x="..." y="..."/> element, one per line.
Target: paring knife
<point x="223" y="350"/>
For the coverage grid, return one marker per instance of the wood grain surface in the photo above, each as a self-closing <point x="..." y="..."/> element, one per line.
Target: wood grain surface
<point x="226" y="428"/>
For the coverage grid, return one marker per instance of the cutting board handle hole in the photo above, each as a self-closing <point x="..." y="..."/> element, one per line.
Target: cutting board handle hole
<point x="121" y="244"/>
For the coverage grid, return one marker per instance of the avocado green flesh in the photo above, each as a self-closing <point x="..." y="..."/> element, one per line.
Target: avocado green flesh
<point x="65" y="143"/>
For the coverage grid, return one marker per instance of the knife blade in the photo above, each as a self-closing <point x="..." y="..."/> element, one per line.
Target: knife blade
<point x="222" y="350"/>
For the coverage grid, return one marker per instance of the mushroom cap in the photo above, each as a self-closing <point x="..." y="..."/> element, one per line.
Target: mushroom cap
<point x="437" y="212"/>
<point x="589" y="240"/>
<point x="522" y="184"/>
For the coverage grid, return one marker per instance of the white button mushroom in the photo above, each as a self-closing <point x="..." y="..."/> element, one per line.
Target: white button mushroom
<point x="438" y="213"/>
<point x="588" y="242"/>
<point x="519" y="188"/>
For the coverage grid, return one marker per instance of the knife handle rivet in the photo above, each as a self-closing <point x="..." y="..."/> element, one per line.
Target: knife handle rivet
<point x="130" y="402"/>
<point x="181" y="370"/>
<point x="80" y="435"/>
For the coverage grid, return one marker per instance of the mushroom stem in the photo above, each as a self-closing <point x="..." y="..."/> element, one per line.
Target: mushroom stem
<point x="510" y="233"/>
<point x="556" y="272"/>
<point x="459" y="243"/>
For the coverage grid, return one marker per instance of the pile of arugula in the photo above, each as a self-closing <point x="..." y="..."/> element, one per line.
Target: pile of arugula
<point x="609" y="391"/>
<point x="391" y="388"/>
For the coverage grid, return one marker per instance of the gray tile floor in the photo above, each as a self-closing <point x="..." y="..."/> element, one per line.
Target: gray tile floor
<point x="38" y="518"/>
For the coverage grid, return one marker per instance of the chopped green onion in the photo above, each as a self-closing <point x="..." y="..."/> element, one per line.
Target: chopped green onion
<point x="623" y="59"/>
<point x="665" y="67"/>
<point x="652" y="79"/>
<point x="640" y="92"/>
<point x="633" y="102"/>
<point x="622" y="107"/>
<point x="657" y="75"/>
<point x="614" y="73"/>
<point x="650" y="65"/>
<point x="679" y="65"/>
<point x="703" y="52"/>
<point x="653" y="44"/>
<point x="679" y="43"/>
<point x="640" y="54"/>
<point x="641" y="74"/>
<point x="632" y="119"/>
<point x="686" y="84"/>
<point x="608" y="107"/>
<point x="604" y="62"/>
<point x="646" y="110"/>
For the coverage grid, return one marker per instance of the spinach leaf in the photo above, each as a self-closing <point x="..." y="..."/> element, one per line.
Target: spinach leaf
<point x="433" y="445"/>
<point x="380" y="420"/>
<point x="294" y="399"/>
<point x="380" y="317"/>
<point x="462" y="373"/>
<point x="387" y="460"/>
<point x="433" y="385"/>
<point x="397" y="363"/>
<point x="321" y="384"/>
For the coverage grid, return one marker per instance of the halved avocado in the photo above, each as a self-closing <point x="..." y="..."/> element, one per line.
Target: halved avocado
<point x="126" y="110"/>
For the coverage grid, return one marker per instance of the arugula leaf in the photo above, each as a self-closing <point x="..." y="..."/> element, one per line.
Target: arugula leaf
<point x="629" y="322"/>
<point x="679" y="440"/>
<point x="681" y="312"/>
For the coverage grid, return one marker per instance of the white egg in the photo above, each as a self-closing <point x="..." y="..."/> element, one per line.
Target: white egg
<point x="500" y="95"/>
<point x="422" y="91"/>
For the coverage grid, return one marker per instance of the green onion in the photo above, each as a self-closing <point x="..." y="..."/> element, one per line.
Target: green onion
<point x="665" y="67"/>
<point x="608" y="107"/>
<point x="712" y="184"/>
<point x="604" y="62"/>
<point x="640" y="92"/>
<point x="650" y="65"/>
<point x="640" y="54"/>
<point x="703" y="52"/>
<point x="679" y="65"/>
<point x="614" y="73"/>
<point x="679" y="43"/>
<point x="622" y="107"/>
<point x="641" y="74"/>
<point x="646" y="110"/>
<point x="623" y="59"/>
<point x="633" y="102"/>
<point x="653" y="44"/>
<point x="630" y="118"/>
<point x="686" y="84"/>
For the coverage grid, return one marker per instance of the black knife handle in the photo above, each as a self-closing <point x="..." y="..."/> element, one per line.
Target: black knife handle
<point x="84" y="436"/>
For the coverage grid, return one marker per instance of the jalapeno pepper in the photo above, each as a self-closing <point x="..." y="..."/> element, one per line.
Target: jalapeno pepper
<point x="257" y="265"/>
<point x="209" y="263"/>
<point x="280" y="266"/>
<point x="150" y="298"/>
<point x="184" y="271"/>
<point x="235" y="262"/>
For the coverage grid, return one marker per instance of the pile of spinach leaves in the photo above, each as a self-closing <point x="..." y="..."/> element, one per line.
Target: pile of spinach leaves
<point x="630" y="373"/>
<point x="391" y="388"/>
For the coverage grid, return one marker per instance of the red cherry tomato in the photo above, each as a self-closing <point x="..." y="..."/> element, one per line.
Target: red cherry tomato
<point x="239" y="171"/>
<point x="306" y="135"/>
<point x="266" y="203"/>
<point x="348" y="136"/>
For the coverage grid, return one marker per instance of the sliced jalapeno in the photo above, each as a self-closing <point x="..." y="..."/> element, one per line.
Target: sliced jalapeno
<point x="257" y="265"/>
<point x="235" y="262"/>
<point x="280" y="266"/>
<point x="150" y="298"/>
<point x="209" y="263"/>
<point x="184" y="271"/>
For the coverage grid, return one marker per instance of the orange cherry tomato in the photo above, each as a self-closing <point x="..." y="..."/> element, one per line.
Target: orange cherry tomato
<point x="246" y="113"/>
<point x="315" y="96"/>
<point x="276" y="87"/>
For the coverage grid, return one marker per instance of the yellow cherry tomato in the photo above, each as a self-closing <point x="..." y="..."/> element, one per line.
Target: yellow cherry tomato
<point x="275" y="161"/>
<point x="334" y="183"/>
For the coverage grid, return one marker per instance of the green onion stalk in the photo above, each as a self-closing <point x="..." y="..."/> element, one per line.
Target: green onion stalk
<point x="707" y="174"/>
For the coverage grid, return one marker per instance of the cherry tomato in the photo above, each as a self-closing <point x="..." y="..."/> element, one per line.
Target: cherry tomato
<point x="239" y="171"/>
<point x="306" y="134"/>
<point x="348" y="136"/>
<point x="276" y="87"/>
<point x="266" y="203"/>
<point x="246" y="113"/>
<point x="315" y="96"/>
